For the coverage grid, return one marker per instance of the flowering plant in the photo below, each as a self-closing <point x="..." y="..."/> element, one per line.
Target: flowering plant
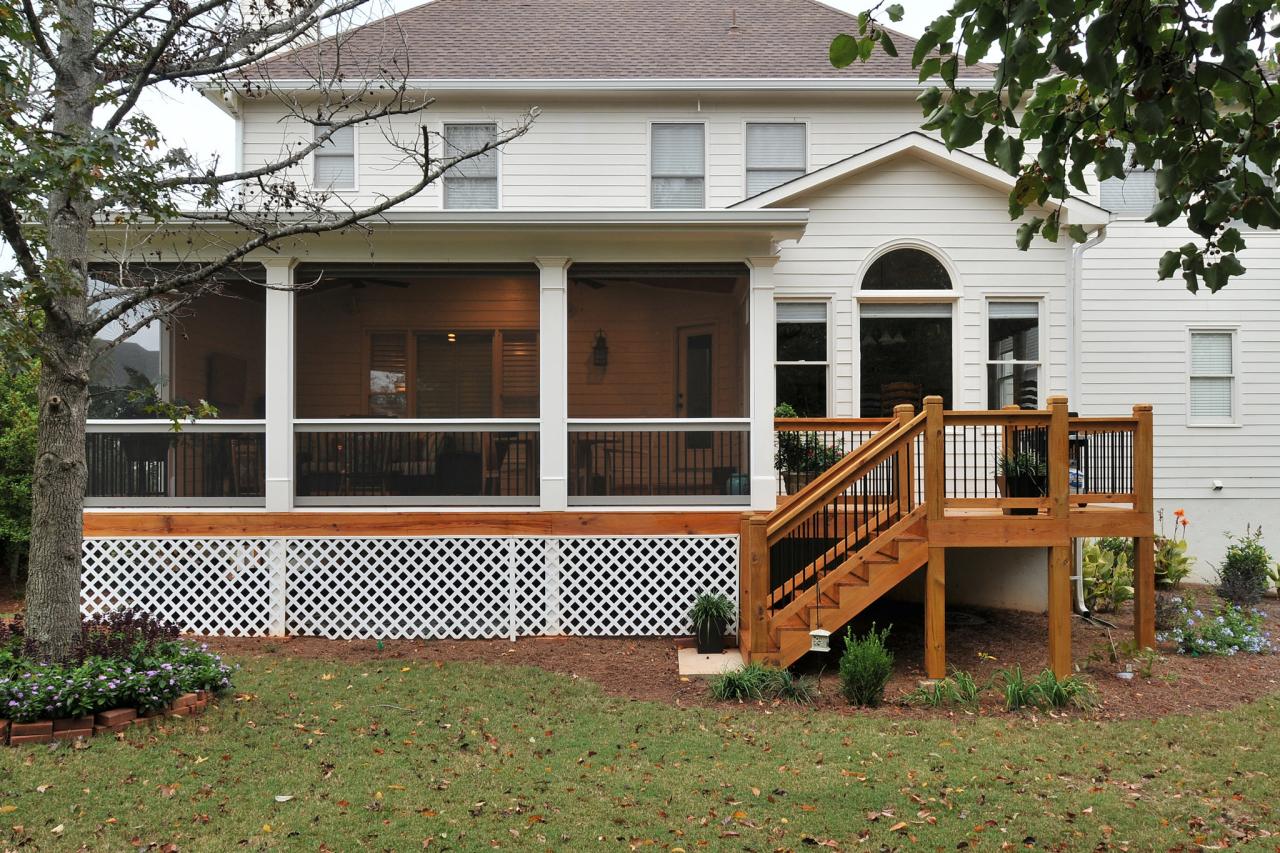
<point x="1226" y="630"/>
<point x="1172" y="563"/>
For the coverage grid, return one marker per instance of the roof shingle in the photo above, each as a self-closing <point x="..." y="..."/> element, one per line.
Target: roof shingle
<point x="596" y="39"/>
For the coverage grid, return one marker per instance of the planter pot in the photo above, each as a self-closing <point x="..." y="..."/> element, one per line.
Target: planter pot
<point x="1024" y="486"/>
<point x="711" y="638"/>
<point x="797" y="480"/>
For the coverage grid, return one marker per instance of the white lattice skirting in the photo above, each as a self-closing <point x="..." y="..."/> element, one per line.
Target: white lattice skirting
<point x="413" y="587"/>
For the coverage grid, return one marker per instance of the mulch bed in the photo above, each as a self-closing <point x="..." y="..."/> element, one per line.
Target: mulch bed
<point x="979" y="641"/>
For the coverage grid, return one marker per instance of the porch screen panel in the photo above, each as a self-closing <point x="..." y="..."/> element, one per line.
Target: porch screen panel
<point x="678" y="165"/>
<point x="775" y="154"/>
<point x="473" y="183"/>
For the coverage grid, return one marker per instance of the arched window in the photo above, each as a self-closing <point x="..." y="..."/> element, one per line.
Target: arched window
<point x="906" y="269"/>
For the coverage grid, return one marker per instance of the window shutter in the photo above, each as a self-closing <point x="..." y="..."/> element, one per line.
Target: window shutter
<point x="472" y="183"/>
<point x="775" y="154"/>
<point x="801" y="312"/>
<point x="677" y="165"/>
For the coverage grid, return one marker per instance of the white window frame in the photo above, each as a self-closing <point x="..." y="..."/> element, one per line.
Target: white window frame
<point x="649" y="159"/>
<point x="497" y="163"/>
<point x="746" y="169"/>
<point x="1041" y="345"/>
<point x="355" y="162"/>
<point x="828" y="305"/>
<point x="1234" y="331"/>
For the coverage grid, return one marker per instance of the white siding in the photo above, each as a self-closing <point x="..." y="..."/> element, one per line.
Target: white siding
<point x="1134" y="347"/>
<point x="907" y="198"/>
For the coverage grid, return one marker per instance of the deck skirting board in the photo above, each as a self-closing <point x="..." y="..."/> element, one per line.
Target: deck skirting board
<point x="412" y="587"/>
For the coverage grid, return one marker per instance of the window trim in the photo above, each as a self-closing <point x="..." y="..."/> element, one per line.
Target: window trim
<point x="649" y="176"/>
<point x="1042" y="343"/>
<point x="1220" y="328"/>
<point x="746" y="169"/>
<point x="828" y="303"/>
<point x="355" y="163"/>
<point x="497" y="165"/>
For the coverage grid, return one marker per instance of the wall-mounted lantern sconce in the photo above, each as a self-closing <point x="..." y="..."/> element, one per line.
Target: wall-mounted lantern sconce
<point x="600" y="352"/>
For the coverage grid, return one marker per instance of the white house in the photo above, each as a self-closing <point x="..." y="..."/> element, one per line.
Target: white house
<point x="538" y="397"/>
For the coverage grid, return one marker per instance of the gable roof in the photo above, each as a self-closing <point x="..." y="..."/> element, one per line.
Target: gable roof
<point x="594" y="40"/>
<point x="1079" y="211"/>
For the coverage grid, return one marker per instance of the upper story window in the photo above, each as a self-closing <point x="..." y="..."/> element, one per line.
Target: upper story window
<point x="335" y="161"/>
<point x="1013" y="354"/>
<point x="906" y="269"/>
<point x="1211" y="400"/>
<point x="1132" y="196"/>
<point x="678" y="165"/>
<point x="473" y="183"/>
<point x="775" y="154"/>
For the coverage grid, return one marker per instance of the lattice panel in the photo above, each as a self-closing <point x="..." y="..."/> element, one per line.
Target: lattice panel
<point x="421" y="587"/>
<point x="641" y="586"/>
<point x="208" y="586"/>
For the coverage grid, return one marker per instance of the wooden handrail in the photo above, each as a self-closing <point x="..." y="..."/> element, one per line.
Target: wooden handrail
<point x="830" y="424"/>
<point x="837" y="478"/>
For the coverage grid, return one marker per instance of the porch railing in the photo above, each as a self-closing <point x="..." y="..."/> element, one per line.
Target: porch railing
<point x="680" y="460"/>
<point x="805" y="447"/>
<point x="416" y="462"/>
<point x="147" y="463"/>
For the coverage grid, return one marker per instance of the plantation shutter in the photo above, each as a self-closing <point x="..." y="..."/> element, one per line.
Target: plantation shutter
<point x="472" y="183"/>
<point x="388" y="361"/>
<point x="678" y="166"/>
<point x="519" y="374"/>
<point x="775" y="154"/>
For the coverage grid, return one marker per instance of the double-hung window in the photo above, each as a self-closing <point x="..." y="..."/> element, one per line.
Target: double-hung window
<point x="1013" y="354"/>
<point x="1132" y="196"/>
<point x="1211" y="399"/>
<point x="802" y="357"/>
<point x="775" y="154"/>
<point x="335" y="160"/>
<point x="678" y="165"/>
<point x="473" y="183"/>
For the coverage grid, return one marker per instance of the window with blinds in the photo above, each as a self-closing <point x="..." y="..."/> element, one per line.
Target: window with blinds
<point x="678" y="165"/>
<point x="1013" y="354"/>
<point x="473" y="183"/>
<point x="775" y="154"/>
<point x="485" y="373"/>
<point x="1132" y="196"/>
<point x="1211" y="398"/>
<point x="335" y="160"/>
<point x="801" y="365"/>
<point x="388" y="375"/>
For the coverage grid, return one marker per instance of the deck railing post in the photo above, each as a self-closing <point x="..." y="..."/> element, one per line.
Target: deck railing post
<point x="1144" y="573"/>
<point x="906" y="480"/>
<point x="935" y="458"/>
<point x="1059" y="454"/>
<point x="1059" y="555"/>
<point x="754" y="597"/>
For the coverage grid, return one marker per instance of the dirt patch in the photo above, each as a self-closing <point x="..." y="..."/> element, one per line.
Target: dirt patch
<point x="979" y="641"/>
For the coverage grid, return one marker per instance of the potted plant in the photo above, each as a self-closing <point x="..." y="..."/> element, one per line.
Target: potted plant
<point x="710" y="616"/>
<point x="801" y="456"/>
<point x="1024" y="475"/>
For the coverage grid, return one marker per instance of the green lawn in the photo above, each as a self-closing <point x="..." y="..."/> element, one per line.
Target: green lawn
<point x="472" y="757"/>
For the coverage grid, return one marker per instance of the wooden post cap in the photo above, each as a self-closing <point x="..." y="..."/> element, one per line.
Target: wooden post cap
<point x="1142" y="407"/>
<point x="1057" y="400"/>
<point x="903" y="409"/>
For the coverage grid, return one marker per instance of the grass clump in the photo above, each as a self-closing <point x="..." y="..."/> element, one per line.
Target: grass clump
<point x="756" y="681"/>
<point x="1045" y="691"/>
<point x="865" y="667"/>
<point x="957" y="690"/>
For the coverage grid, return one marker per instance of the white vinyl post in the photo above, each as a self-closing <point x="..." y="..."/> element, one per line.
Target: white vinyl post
<point x="553" y="382"/>
<point x="279" y="385"/>
<point x="764" y="479"/>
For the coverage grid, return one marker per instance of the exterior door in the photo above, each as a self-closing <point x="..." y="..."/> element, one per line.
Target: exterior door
<point x="695" y="387"/>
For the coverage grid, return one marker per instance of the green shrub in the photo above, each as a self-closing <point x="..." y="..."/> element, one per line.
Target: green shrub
<point x="865" y="667"/>
<point x="1244" y="574"/>
<point x="1228" y="629"/>
<point x="1046" y="691"/>
<point x="709" y="609"/>
<point x="958" y="689"/>
<point x="1117" y="545"/>
<point x="18" y="414"/>
<point x="757" y="681"/>
<point x="1108" y="577"/>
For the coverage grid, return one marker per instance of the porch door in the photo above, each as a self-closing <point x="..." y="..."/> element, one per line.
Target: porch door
<point x="905" y="355"/>
<point x="695" y="387"/>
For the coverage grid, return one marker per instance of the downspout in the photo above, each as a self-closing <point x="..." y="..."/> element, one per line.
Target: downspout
<point x="1075" y="299"/>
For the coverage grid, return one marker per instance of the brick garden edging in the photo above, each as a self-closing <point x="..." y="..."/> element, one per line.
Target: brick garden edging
<point x="104" y="722"/>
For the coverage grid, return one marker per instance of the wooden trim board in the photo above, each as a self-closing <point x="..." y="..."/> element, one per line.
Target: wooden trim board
<point x="661" y="523"/>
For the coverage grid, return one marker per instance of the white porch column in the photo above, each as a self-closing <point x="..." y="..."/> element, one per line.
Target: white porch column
<point x="553" y="382"/>
<point x="279" y="384"/>
<point x="764" y="479"/>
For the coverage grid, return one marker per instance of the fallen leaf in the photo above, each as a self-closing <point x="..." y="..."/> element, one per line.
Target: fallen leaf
<point x="283" y="798"/>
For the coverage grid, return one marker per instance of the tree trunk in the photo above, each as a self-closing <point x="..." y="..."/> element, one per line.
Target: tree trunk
<point x="57" y="494"/>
